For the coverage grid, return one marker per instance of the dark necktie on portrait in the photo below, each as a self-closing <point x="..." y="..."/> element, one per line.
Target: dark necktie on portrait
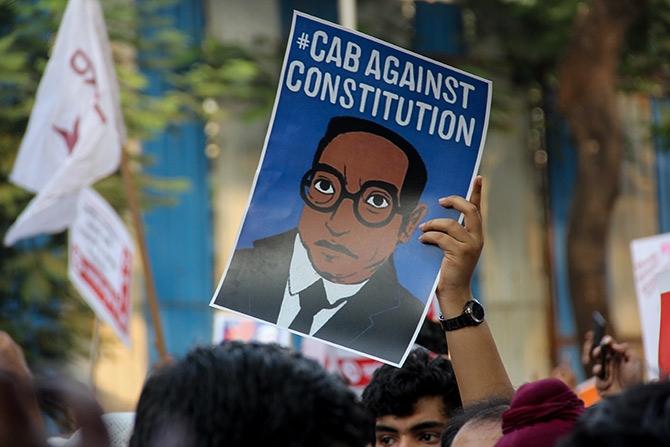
<point x="312" y="300"/>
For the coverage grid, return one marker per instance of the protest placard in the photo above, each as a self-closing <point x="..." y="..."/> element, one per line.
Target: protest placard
<point x="100" y="263"/>
<point x="365" y="137"/>
<point x="663" y="281"/>
<point x="354" y="368"/>
<point x="650" y="256"/>
<point x="229" y="326"/>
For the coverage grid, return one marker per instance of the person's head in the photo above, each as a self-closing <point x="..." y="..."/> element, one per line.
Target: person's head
<point x="241" y="394"/>
<point x="640" y="416"/>
<point x="477" y="425"/>
<point x="361" y="199"/>
<point x="540" y="413"/>
<point x="412" y="404"/>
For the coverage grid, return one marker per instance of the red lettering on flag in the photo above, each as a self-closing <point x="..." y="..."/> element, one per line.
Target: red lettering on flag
<point x="71" y="137"/>
<point x="100" y="113"/>
<point x="117" y="304"/>
<point x="82" y="64"/>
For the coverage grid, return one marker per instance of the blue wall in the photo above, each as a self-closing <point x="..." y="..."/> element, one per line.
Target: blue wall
<point x="324" y="9"/>
<point x="661" y="111"/>
<point x="180" y="237"/>
<point x="562" y="176"/>
<point x="438" y="29"/>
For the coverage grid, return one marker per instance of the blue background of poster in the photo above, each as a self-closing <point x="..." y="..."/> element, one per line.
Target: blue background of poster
<point x="300" y="121"/>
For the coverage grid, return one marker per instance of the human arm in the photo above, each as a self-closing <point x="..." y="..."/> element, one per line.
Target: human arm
<point x="12" y="361"/>
<point x="477" y="365"/>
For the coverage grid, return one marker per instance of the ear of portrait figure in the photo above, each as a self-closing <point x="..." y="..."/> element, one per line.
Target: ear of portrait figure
<point x="359" y="205"/>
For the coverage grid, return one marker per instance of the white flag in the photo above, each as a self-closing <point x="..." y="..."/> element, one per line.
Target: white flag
<point x="100" y="261"/>
<point x="76" y="130"/>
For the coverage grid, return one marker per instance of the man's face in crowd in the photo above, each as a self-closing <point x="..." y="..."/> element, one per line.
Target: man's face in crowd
<point x="421" y="428"/>
<point x="353" y="226"/>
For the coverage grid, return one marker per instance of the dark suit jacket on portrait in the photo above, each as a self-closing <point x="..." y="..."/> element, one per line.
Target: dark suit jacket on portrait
<point x="379" y="320"/>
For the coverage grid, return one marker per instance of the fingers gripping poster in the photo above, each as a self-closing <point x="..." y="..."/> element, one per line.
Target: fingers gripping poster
<point x="365" y="137"/>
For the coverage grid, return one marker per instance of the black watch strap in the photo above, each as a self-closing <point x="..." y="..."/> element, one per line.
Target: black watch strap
<point x="452" y="324"/>
<point x="467" y="318"/>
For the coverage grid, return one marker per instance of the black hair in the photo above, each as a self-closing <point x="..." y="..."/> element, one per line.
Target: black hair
<point x="431" y="336"/>
<point x="239" y="394"/>
<point x="416" y="176"/>
<point x="489" y="410"/>
<point x="638" y="416"/>
<point x="395" y="391"/>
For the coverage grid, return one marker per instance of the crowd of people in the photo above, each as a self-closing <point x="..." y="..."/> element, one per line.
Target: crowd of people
<point x="247" y="394"/>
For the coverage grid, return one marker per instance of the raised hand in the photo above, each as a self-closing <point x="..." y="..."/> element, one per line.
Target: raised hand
<point x="461" y="246"/>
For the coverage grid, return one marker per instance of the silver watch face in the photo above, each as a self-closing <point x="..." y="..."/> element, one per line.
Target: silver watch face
<point x="476" y="311"/>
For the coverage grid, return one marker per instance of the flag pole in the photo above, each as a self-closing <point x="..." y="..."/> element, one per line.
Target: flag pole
<point x="134" y="205"/>
<point x="94" y="352"/>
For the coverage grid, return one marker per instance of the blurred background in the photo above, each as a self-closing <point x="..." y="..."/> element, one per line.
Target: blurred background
<point x="576" y="164"/>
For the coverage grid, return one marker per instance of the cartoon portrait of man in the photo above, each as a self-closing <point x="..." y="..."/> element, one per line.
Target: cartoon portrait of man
<point x="333" y="277"/>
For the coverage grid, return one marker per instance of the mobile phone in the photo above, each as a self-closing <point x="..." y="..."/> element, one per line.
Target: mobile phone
<point x="599" y="326"/>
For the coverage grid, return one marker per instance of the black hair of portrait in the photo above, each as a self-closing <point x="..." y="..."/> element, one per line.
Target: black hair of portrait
<point x="395" y="391"/>
<point x="416" y="177"/>
<point x="640" y="416"/>
<point x="242" y="394"/>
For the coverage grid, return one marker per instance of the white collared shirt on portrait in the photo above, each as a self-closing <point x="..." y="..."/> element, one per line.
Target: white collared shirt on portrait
<point x="301" y="276"/>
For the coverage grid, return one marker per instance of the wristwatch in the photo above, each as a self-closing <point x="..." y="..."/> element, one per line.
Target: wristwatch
<point x="473" y="315"/>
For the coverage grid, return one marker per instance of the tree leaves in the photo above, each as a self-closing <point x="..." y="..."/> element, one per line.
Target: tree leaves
<point x="38" y="306"/>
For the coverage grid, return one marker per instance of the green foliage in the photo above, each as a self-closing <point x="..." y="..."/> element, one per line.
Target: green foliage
<point x="646" y="55"/>
<point x="38" y="306"/>
<point x="34" y="291"/>
<point x="232" y="75"/>
<point x="523" y="41"/>
<point x="529" y="35"/>
<point x="387" y="20"/>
